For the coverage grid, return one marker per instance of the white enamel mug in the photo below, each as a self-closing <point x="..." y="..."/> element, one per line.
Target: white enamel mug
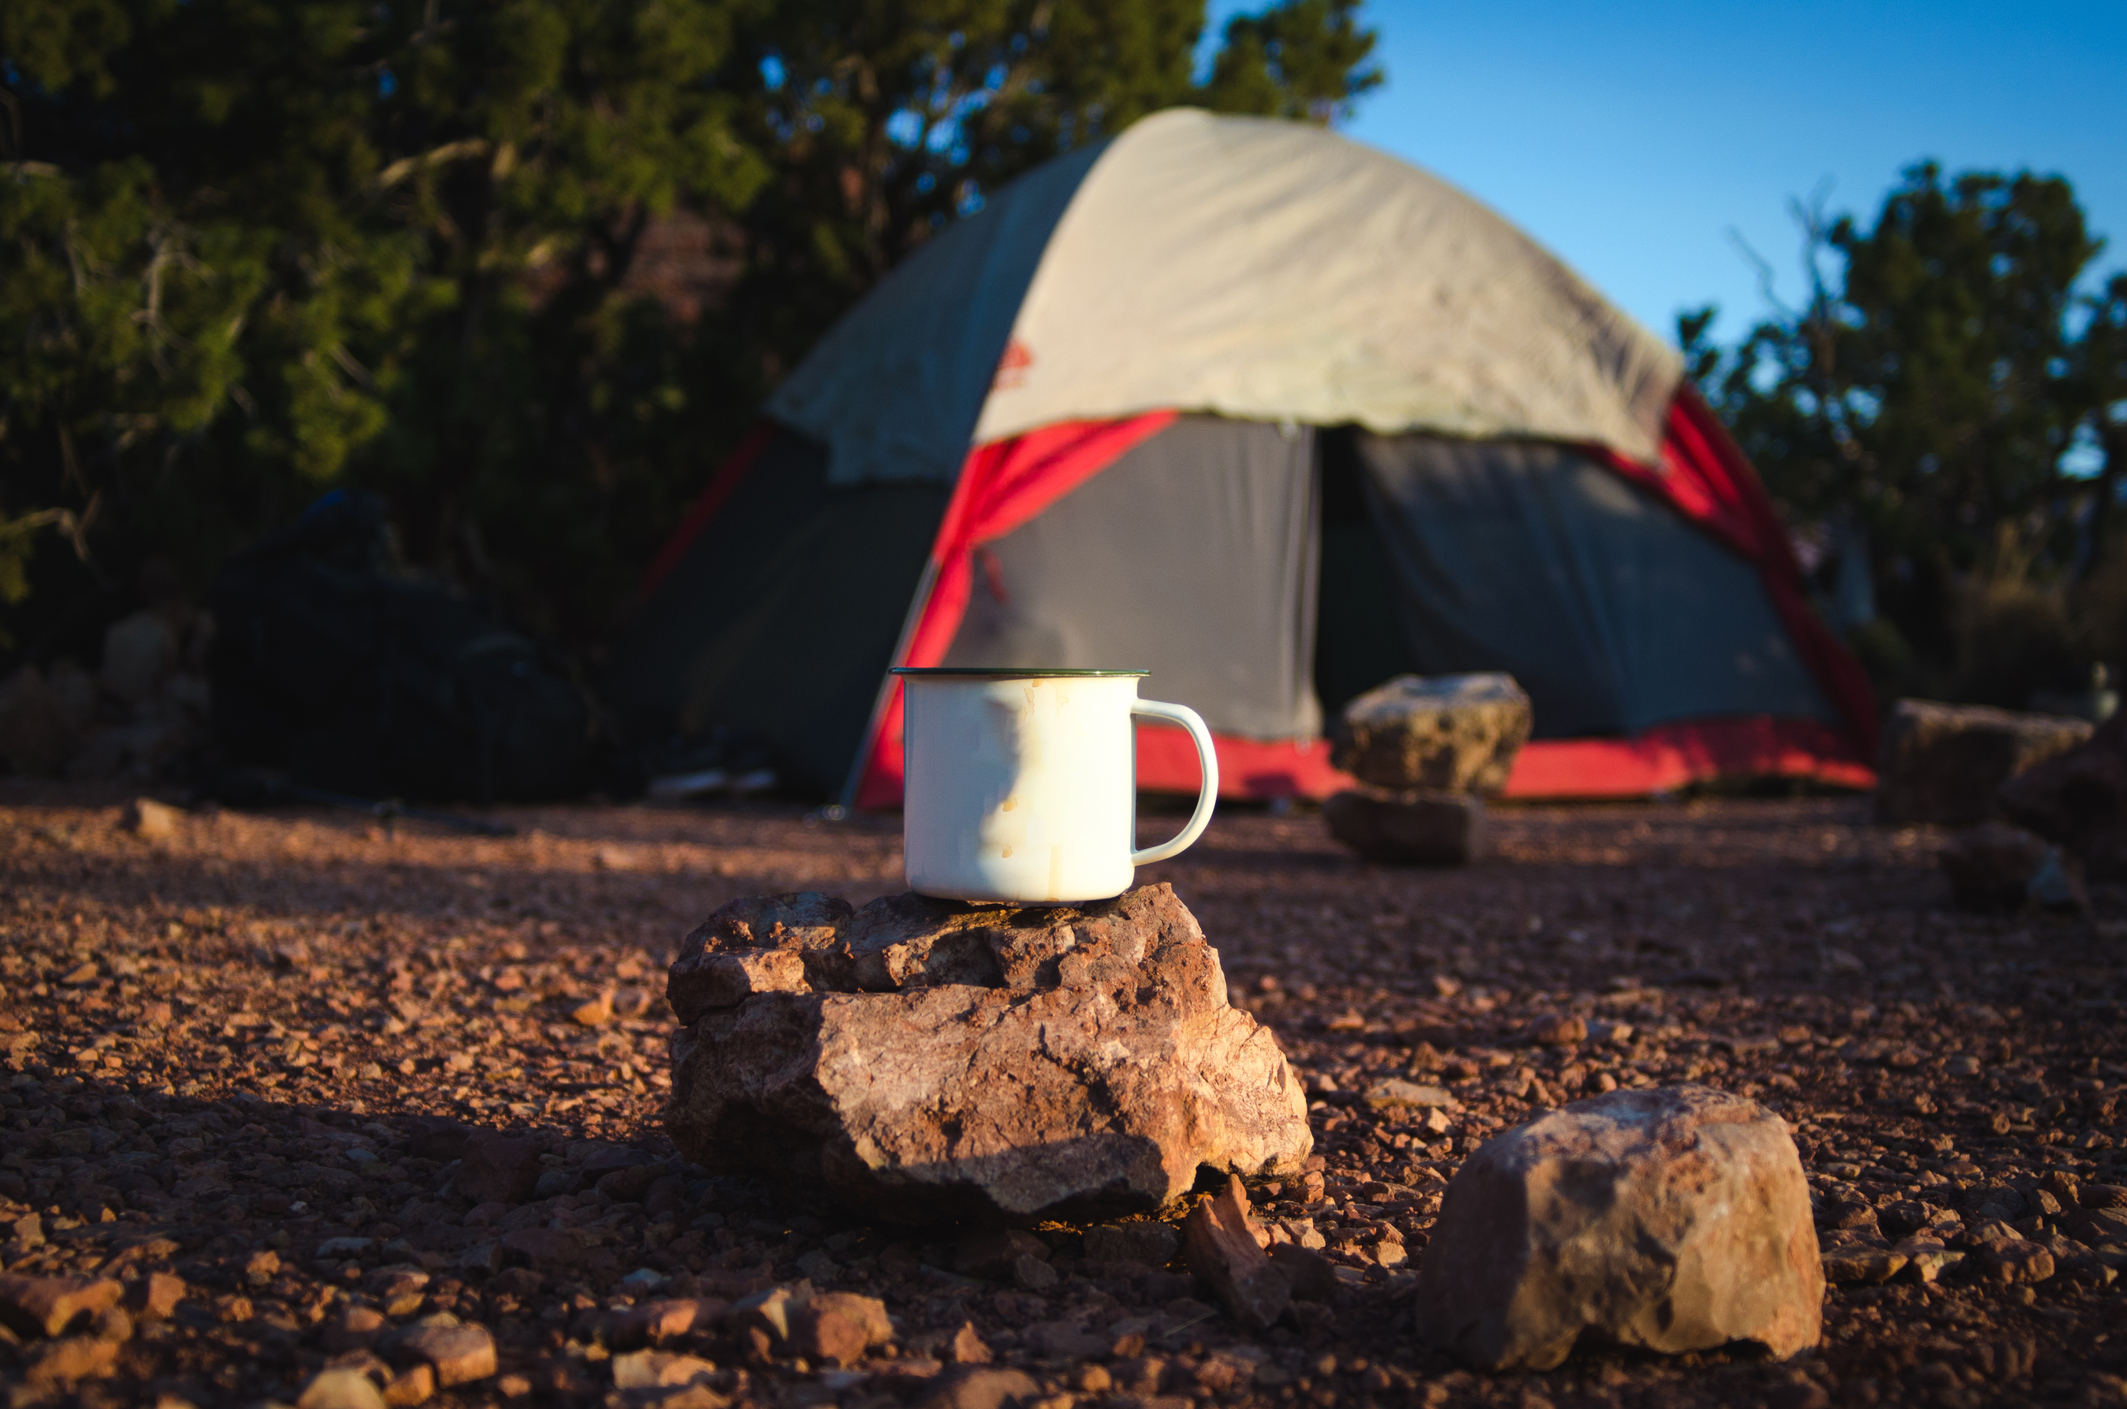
<point x="1021" y="785"/>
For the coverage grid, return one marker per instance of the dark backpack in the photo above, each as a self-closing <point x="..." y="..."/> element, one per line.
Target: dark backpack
<point x="358" y="680"/>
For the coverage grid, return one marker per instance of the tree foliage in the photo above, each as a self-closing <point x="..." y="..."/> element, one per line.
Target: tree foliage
<point x="258" y="248"/>
<point x="1940" y="392"/>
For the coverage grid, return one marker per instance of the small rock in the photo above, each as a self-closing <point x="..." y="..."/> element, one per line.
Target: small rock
<point x="357" y="1329"/>
<point x="340" y="1389"/>
<point x="26" y="1233"/>
<point x="966" y="1347"/>
<point x="1945" y="763"/>
<point x="399" y="1289"/>
<point x="1408" y="828"/>
<point x="987" y="1388"/>
<point x="519" y="1282"/>
<point x="261" y="1268"/>
<point x="1220" y="1245"/>
<point x="840" y="1327"/>
<point x="595" y="1012"/>
<point x="498" y="1167"/>
<point x="459" y="1354"/>
<point x="655" y="1322"/>
<point x="66" y="1362"/>
<point x="2104" y="1227"/>
<point x="112" y="1324"/>
<point x="1673" y="1219"/>
<point x="626" y="1186"/>
<point x="772" y="1312"/>
<point x="1146" y="1241"/>
<point x="656" y="1369"/>
<point x="2016" y="1260"/>
<point x="47" y="1306"/>
<point x="416" y="1384"/>
<point x="1861" y="1262"/>
<point x="151" y="820"/>
<point x="1927" y="1258"/>
<point x="1031" y="1274"/>
<point x="1556" y="1030"/>
<point x="155" y="1296"/>
<point x="1453" y="733"/>
<point x="1398" y="1094"/>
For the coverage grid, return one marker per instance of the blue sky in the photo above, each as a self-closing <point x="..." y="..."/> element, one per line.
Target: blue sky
<point x="1631" y="139"/>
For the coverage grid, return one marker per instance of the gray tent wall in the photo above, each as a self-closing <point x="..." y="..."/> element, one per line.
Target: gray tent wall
<point x="1614" y="612"/>
<point x="1192" y="556"/>
<point x="1262" y="574"/>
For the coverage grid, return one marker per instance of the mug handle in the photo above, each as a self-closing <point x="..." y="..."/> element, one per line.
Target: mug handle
<point x="1207" y="796"/>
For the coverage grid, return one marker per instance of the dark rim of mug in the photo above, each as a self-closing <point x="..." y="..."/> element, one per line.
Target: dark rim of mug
<point x="1004" y="672"/>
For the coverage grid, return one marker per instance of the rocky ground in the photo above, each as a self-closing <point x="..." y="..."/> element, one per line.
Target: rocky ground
<point x="243" y="1054"/>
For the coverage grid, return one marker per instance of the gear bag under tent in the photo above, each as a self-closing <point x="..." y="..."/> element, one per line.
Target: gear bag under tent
<point x="1276" y="417"/>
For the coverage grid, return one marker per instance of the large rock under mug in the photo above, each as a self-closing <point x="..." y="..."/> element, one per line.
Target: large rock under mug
<point x="925" y="1058"/>
<point x="1944" y="763"/>
<point x="1675" y="1219"/>
<point x="1445" y="733"/>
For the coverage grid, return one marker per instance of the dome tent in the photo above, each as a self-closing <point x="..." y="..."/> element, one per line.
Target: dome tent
<point x="1274" y="416"/>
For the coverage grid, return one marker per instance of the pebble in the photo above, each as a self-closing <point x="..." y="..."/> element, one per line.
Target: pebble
<point x="655" y="1369"/>
<point x="341" y="1389"/>
<point x="48" y="1306"/>
<point x="459" y="1354"/>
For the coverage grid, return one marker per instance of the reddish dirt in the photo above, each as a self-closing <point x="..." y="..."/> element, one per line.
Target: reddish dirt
<point x="220" y="1042"/>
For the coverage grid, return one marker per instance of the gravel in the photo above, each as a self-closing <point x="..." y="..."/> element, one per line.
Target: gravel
<point x="327" y="1100"/>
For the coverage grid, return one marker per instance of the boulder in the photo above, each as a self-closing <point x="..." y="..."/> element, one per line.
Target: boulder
<point x="1447" y="733"/>
<point x="1414" y="828"/>
<point x="1675" y="1219"/>
<point x="932" y="1058"/>
<point x="2078" y="799"/>
<point x="1945" y="763"/>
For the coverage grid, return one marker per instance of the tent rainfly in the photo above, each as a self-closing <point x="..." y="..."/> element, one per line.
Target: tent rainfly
<point x="1276" y="417"/>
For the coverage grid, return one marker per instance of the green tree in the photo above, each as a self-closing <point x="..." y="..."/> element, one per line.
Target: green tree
<point x="257" y="250"/>
<point x="1928" y="393"/>
<point x="891" y="117"/>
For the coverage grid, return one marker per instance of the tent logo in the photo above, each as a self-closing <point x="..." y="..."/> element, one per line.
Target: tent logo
<point x="1012" y="367"/>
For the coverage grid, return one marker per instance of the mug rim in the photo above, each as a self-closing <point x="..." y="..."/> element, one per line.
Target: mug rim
<point x="1006" y="672"/>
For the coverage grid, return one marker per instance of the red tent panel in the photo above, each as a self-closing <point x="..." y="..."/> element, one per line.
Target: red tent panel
<point x="1662" y="759"/>
<point x="1002" y="485"/>
<point x="1705" y="475"/>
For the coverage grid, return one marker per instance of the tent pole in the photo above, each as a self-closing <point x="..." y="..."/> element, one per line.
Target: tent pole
<point x="886" y="683"/>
